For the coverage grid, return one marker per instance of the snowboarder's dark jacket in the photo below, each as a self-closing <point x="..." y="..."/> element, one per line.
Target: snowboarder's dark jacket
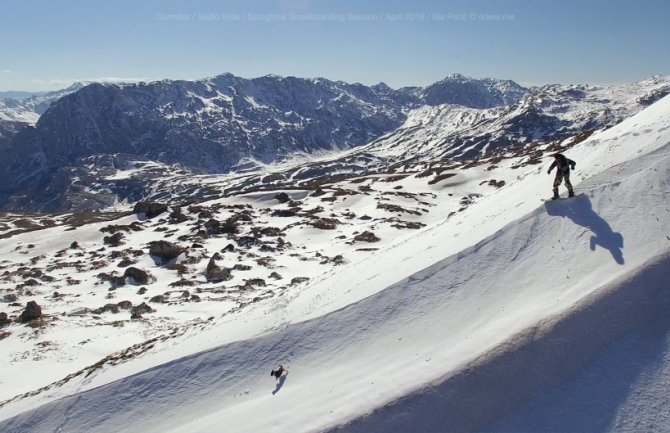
<point x="562" y="163"/>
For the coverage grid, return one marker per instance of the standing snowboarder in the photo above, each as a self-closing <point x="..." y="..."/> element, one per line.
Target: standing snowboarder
<point x="563" y="166"/>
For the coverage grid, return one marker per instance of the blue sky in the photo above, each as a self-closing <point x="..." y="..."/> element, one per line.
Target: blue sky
<point x="49" y="44"/>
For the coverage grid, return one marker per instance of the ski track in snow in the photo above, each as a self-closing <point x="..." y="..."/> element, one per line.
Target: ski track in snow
<point x="531" y="312"/>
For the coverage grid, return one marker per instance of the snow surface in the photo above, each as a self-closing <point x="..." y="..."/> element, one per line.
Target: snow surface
<point x="512" y="315"/>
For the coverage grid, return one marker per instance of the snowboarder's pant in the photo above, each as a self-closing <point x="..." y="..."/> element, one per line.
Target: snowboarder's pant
<point x="560" y="176"/>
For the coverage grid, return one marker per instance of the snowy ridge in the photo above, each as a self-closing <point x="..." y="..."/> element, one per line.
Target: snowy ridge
<point x="553" y="112"/>
<point x="28" y="110"/>
<point x="442" y="300"/>
<point x="227" y="124"/>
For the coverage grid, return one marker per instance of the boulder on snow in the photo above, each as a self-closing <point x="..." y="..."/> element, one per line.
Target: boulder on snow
<point x="4" y="320"/>
<point x="10" y="297"/>
<point x="254" y="282"/>
<point x="216" y="273"/>
<point x="111" y="308"/>
<point x="366" y="237"/>
<point x="32" y="312"/>
<point x="158" y="299"/>
<point x="176" y="216"/>
<point x="165" y="250"/>
<point x="137" y="311"/>
<point x="246" y="241"/>
<point x="150" y="209"/>
<point x="282" y="197"/>
<point x="125" y="305"/>
<point x="216" y="227"/>
<point x="138" y="275"/>
<point x="298" y="280"/>
<point x="114" y="240"/>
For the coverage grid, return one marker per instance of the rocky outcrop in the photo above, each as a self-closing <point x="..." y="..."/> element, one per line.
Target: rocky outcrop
<point x="10" y="298"/>
<point x="137" y="311"/>
<point x="114" y="240"/>
<point x="366" y="236"/>
<point x="4" y="320"/>
<point x="150" y="209"/>
<point x="165" y="250"/>
<point x="32" y="312"/>
<point x="215" y="273"/>
<point x="137" y="276"/>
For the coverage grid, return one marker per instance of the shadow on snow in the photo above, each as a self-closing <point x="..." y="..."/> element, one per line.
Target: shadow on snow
<point x="580" y="211"/>
<point x="280" y="383"/>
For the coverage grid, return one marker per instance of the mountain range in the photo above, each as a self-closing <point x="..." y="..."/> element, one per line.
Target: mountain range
<point x="69" y="156"/>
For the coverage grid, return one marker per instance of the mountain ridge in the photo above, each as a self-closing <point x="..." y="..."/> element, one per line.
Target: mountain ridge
<point x="206" y="126"/>
<point x="73" y="157"/>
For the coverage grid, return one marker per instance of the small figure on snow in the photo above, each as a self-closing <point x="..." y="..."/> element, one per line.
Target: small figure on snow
<point x="278" y="373"/>
<point x="563" y="166"/>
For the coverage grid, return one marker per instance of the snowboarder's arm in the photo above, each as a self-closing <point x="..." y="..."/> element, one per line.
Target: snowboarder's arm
<point x="551" y="167"/>
<point x="572" y="163"/>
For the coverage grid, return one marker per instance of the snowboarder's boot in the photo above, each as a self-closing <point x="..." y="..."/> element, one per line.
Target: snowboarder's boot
<point x="571" y="194"/>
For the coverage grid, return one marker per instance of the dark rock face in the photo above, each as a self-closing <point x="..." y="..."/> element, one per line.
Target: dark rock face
<point x="125" y="305"/>
<point x="216" y="273"/>
<point x="165" y="250"/>
<point x="486" y="93"/>
<point x="114" y="240"/>
<point x="158" y="299"/>
<point x="282" y="197"/>
<point x="176" y="216"/>
<point x="10" y="297"/>
<point x="137" y="311"/>
<point x="4" y="320"/>
<point x="107" y="308"/>
<point x="138" y="275"/>
<point x="149" y="208"/>
<point x="246" y="241"/>
<point x="254" y="282"/>
<point x="216" y="227"/>
<point x="32" y="312"/>
<point x="366" y="237"/>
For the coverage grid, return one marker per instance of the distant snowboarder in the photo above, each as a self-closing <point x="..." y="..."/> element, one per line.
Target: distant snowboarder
<point x="563" y="166"/>
<point x="278" y="373"/>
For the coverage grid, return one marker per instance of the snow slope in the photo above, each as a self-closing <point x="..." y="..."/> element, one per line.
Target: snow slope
<point x="474" y="323"/>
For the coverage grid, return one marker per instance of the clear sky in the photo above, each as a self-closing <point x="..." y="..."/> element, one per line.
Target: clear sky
<point x="49" y="44"/>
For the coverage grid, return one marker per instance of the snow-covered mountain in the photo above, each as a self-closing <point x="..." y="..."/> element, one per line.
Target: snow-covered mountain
<point x="209" y="126"/>
<point x="548" y="113"/>
<point x="460" y="90"/>
<point x="17" y="113"/>
<point x="434" y="296"/>
<point x="29" y="109"/>
<point x="84" y="152"/>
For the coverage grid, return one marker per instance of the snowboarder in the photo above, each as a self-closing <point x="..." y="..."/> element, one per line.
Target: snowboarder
<point x="278" y="373"/>
<point x="563" y="166"/>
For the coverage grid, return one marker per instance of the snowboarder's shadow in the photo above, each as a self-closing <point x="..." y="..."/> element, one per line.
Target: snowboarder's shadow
<point x="580" y="211"/>
<point x="280" y="383"/>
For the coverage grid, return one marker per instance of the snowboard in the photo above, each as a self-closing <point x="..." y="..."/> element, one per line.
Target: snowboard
<point x="561" y="198"/>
